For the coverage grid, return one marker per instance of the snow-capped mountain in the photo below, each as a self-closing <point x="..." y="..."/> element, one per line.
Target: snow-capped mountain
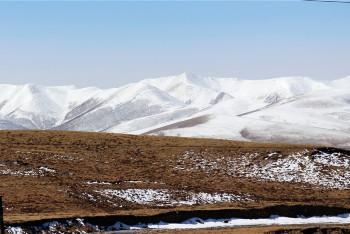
<point x="287" y="109"/>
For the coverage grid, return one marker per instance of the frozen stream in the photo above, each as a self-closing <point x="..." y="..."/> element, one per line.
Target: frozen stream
<point x="193" y="223"/>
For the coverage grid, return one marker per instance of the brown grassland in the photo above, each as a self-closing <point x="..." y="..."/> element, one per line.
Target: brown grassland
<point x="73" y="159"/>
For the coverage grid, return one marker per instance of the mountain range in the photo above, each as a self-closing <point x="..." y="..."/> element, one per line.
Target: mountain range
<point x="285" y="109"/>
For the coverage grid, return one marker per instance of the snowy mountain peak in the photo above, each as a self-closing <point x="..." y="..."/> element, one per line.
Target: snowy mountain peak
<point x="279" y="109"/>
<point x="343" y="83"/>
<point x="188" y="77"/>
<point x="32" y="88"/>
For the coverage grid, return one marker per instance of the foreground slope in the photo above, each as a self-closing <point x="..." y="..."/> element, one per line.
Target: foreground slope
<point x="286" y="109"/>
<point x="51" y="174"/>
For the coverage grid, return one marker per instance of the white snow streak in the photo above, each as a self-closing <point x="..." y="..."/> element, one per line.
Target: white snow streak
<point x="330" y="170"/>
<point x="161" y="197"/>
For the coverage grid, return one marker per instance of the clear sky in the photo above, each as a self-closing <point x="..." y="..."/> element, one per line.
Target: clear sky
<point x="107" y="44"/>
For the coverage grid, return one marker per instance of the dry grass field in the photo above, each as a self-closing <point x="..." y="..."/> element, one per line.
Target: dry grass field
<point x="56" y="174"/>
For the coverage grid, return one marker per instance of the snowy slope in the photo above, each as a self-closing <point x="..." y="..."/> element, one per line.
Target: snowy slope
<point x="287" y="109"/>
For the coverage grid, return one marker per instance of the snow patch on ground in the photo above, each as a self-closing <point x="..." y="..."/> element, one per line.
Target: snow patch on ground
<point x="196" y="223"/>
<point x="41" y="171"/>
<point x="165" y="197"/>
<point x="330" y="170"/>
<point x="15" y="230"/>
<point x="46" y="169"/>
<point x="98" y="183"/>
<point x="193" y="223"/>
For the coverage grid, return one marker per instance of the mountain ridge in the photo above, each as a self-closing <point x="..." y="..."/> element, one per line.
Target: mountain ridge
<point x="286" y="109"/>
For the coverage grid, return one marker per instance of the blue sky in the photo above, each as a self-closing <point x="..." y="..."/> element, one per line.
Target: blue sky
<point x="107" y="44"/>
